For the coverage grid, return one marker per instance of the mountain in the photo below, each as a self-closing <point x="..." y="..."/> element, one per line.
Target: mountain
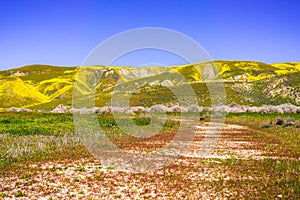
<point x="16" y="92"/>
<point x="245" y="82"/>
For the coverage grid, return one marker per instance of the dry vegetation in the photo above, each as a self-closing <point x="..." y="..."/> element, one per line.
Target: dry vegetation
<point x="41" y="158"/>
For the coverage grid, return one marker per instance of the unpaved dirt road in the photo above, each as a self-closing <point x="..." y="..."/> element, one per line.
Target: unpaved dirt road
<point x="189" y="177"/>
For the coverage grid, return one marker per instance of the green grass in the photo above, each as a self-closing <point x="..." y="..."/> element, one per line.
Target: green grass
<point x="287" y="138"/>
<point x="39" y="136"/>
<point x="36" y="124"/>
<point x="26" y="136"/>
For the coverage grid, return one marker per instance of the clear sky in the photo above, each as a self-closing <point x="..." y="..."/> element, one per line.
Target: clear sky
<point x="63" y="32"/>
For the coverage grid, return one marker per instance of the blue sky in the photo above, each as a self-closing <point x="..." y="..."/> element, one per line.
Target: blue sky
<point x="63" y="32"/>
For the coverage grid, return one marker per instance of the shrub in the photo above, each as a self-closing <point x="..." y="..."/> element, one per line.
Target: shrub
<point x="279" y="121"/>
<point x="194" y="108"/>
<point x="159" y="108"/>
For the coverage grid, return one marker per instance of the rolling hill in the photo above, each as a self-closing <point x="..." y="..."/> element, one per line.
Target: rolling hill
<point x="245" y="82"/>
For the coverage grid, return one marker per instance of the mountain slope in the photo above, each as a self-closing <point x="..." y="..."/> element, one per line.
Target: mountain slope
<point x="15" y="92"/>
<point x="246" y="82"/>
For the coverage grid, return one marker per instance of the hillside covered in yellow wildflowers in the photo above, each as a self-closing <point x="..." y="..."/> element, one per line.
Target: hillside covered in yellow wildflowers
<point x="246" y="83"/>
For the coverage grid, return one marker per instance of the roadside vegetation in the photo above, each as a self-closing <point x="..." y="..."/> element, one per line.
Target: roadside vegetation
<point x="30" y="141"/>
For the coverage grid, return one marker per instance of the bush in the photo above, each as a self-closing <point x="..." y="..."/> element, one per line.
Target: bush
<point x="279" y="121"/>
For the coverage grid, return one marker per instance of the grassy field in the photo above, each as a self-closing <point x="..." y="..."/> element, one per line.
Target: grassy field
<point x="41" y="156"/>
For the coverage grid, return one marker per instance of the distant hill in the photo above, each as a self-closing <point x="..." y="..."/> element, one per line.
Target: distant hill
<point x="16" y="92"/>
<point x="246" y="83"/>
